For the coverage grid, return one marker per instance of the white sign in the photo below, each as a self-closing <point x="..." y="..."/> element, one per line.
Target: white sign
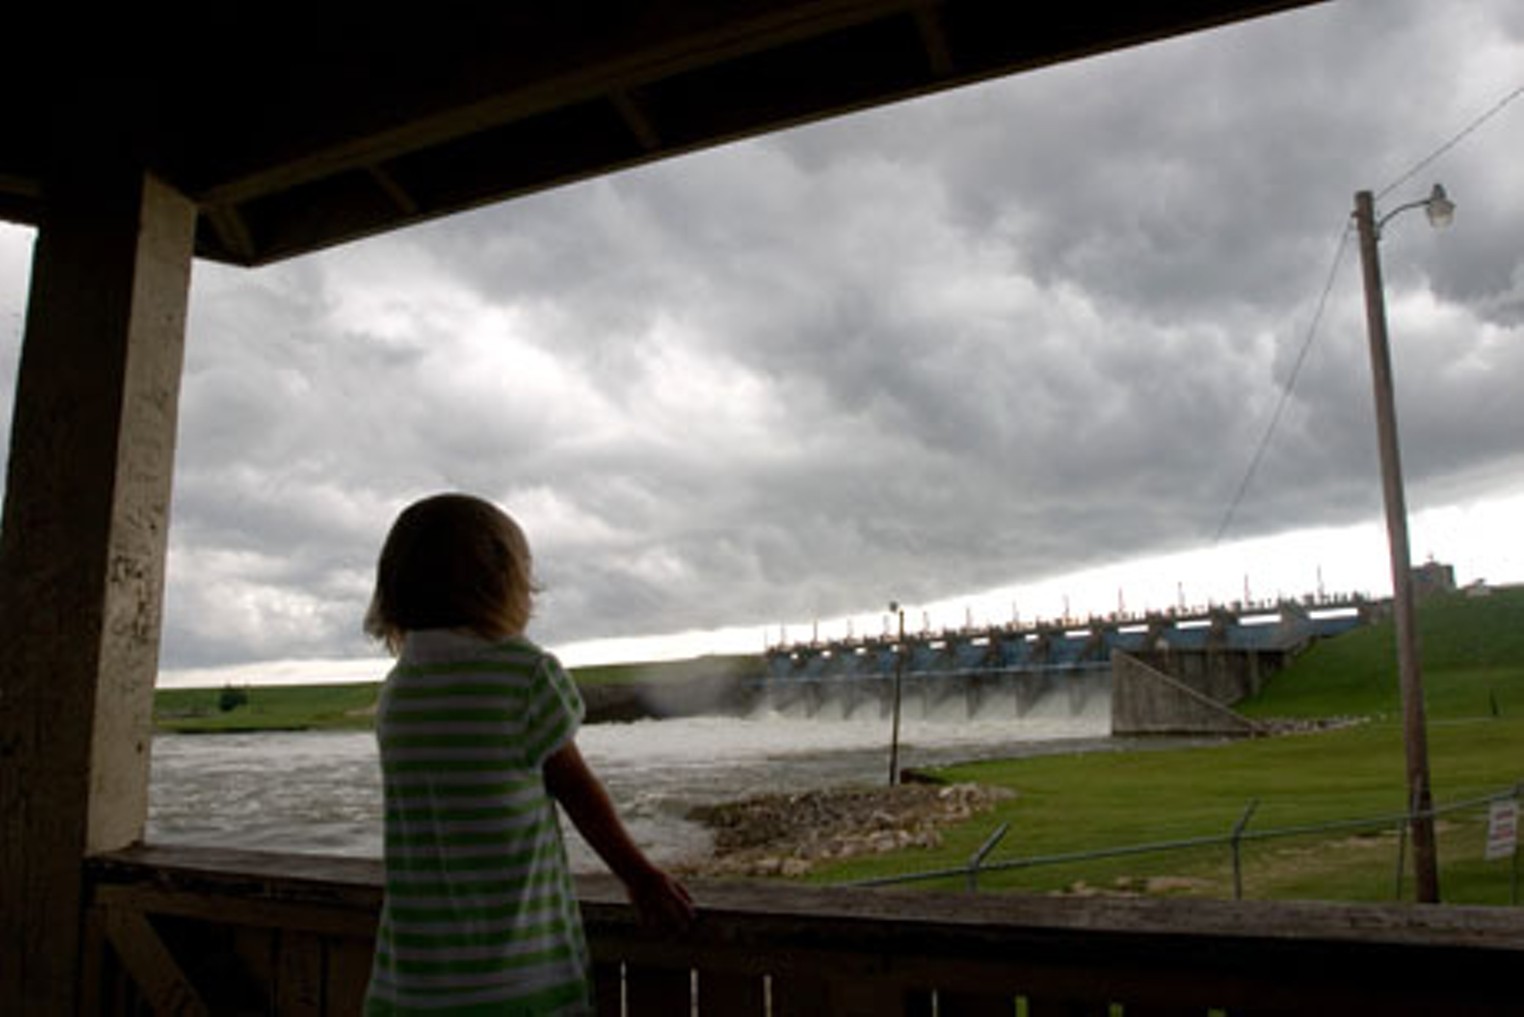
<point x="1502" y="829"/>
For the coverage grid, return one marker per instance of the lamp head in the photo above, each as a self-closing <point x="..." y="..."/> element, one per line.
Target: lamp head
<point x="1439" y="208"/>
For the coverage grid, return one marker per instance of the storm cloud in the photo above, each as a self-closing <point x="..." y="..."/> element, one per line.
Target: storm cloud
<point x="987" y="337"/>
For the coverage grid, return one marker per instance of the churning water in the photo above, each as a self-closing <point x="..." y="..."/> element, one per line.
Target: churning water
<point x="320" y="792"/>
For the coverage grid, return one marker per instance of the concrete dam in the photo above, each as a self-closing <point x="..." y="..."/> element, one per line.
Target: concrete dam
<point x="1156" y="674"/>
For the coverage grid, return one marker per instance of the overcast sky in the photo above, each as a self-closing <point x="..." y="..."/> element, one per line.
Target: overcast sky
<point x="975" y="342"/>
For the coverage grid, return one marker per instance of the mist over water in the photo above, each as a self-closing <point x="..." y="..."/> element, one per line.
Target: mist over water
<point x="320" y="792"/>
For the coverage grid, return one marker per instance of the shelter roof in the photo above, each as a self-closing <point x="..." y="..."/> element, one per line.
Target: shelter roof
<point x="298" y="128"/>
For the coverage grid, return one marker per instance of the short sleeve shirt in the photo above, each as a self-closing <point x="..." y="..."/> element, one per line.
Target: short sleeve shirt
<point x="479" y="914"/>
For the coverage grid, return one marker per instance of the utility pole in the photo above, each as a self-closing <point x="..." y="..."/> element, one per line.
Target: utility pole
<point x="899" y="668"/>
<point x="1415" y="738"/>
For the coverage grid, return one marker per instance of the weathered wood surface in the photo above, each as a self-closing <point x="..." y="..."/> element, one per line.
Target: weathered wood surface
<point x="82" y="553"/>
<point x="819" y="950"/>
<point x="1185" y="956"/>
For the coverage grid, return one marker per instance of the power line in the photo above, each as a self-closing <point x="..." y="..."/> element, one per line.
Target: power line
<point x="1280" y="406"/>
<point x="1296" y="369"/>
<point x="1455" y="140"/>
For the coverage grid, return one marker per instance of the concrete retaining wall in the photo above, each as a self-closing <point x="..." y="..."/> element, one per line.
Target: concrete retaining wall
<point x="1147" y="699"/>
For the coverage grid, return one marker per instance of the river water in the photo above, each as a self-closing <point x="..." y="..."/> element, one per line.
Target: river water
<point x="320" y="792"/>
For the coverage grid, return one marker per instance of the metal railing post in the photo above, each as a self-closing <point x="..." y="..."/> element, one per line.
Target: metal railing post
<point x="1236" y="840"/>
<point x="977" y="858"/>
<point x="1402" y="860"/>
<point x="1513" y="890"/>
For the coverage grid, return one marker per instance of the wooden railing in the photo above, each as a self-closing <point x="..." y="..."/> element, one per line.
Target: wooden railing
<point x="222" y="932"/>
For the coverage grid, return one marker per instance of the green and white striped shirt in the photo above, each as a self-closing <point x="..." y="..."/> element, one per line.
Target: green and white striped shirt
<point x="480" y="915"/>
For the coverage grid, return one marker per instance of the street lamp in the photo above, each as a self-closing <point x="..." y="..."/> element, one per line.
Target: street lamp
<point x="899" y="667"/>
<point x="1440" y="210"/>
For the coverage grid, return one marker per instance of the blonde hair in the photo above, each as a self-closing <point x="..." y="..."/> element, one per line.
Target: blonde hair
<point x="451" y="561"/>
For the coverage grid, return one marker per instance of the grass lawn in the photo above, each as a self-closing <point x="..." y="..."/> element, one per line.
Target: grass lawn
<point x="1068" y="804"/>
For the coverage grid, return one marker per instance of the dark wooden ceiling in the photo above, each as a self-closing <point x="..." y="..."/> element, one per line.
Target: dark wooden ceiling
<point x="302" y="129"/>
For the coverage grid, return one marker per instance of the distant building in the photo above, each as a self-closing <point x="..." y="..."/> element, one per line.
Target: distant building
<point x="1431" y="578"/>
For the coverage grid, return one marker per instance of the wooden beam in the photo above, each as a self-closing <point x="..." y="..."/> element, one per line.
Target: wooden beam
<point x="299" y="975"/>
<point x="578" y="67"/>
<point x="82" y="553"/>
<point x="934" y="37"/>
<point x="396" y="192"/>
<point x="150" y="964"/>
<point x="229" y="225"/>
<point x="639" y="123"/>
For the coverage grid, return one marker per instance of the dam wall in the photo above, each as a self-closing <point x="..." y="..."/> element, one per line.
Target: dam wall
<point x="1164" y="674"/>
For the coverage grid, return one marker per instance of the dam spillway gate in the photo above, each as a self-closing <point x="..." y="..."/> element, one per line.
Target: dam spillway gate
<point x="1057" y="669"/>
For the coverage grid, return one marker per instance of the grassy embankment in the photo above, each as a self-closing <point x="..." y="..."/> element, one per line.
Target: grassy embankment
<point x="351" y="706"/>
<point x="1473" y="651"/>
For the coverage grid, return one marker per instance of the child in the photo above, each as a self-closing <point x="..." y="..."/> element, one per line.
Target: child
<point x="476" y="729"/>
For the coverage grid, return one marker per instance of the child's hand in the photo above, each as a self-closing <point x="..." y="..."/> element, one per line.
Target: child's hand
<point x="662" y="903"/>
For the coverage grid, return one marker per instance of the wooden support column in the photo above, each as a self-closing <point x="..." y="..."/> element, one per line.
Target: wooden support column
<point x="82" y="555"/>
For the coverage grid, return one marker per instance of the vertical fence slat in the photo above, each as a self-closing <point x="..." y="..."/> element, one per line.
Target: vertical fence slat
<point x="299" y="974"/>
<point x="347" y="967"/>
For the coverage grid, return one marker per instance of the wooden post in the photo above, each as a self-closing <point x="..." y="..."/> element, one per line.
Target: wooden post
<point x="82" y="554"/>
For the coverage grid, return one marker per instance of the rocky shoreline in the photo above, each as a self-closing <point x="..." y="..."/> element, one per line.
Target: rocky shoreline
<point x="789" y="834"/>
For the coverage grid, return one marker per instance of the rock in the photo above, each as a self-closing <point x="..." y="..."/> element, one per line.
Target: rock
<point x="814" y="826"/>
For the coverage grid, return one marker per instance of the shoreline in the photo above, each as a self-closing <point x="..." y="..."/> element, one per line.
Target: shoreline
<point x="610" y="696"/>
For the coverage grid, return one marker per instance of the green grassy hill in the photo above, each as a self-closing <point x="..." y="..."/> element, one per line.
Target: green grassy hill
<point x="1472" y="654"/>
<point x="266" y="708"/>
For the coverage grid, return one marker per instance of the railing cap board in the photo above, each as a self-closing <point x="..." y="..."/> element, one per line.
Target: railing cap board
<point x="952" y="912"/>
<point x="356" y="882"/>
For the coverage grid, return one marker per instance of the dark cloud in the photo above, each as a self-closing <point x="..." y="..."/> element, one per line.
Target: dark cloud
<point x="983" y="338"/>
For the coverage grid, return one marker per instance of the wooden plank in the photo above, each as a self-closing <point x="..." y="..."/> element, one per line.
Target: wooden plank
<point x="799" y="995"/>
<point x="912" y="918"/>
<point x="150" y="964"/>
<point x="920" y="1003"/>
<point x="857" y="995"/>
<point x="228" y="909"/>
<point x="827" y="951"/>
<point x="348" y="963"/>
<point x="1048" y="1006"/>
<point x="721" y="994"/>
<point x="650" y="992"/>
<point x="92" y="964"/>
<point x="608" y="988"/>
<point x="276" y="874"/>
<point x="299" y="975"/>
<point x="967" y="1003"/>
<point x="255" y="950"/>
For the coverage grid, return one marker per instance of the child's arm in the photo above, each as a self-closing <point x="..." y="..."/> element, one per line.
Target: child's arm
<point x="658" y="897"/>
